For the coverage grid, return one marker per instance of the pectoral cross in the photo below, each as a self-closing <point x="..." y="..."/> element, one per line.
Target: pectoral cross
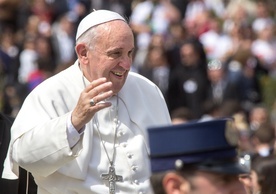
<point x="112" y="179"/>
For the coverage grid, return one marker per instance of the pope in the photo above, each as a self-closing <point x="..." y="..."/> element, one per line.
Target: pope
<point x="84" y="129"/>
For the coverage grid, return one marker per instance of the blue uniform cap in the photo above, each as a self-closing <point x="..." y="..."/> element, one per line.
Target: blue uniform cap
<point x="210" y="145"/>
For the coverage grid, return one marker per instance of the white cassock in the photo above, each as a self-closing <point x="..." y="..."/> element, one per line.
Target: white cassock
<point x="39" y="140"/>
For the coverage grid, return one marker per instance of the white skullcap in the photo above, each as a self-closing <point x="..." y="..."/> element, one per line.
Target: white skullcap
<point x="95" y="18"/>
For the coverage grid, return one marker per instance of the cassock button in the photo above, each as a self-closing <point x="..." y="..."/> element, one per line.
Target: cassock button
<point x="134" y="168"/>
<point x="129" y="155"/>
<point x="136" y="182"/>
<point x="124" y="145"/>
<point x="121" y="133"/>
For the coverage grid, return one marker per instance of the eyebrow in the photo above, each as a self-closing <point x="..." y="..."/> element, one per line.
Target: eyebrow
<point x="117" y="49"/>
<point x="113" y="50"/>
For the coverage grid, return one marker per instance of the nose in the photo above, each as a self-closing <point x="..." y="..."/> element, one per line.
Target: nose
<point x="126" y="62"/>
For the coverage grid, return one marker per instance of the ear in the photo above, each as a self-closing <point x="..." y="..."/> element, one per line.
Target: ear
<point x="175" y="184"/>
<point x="82" y="53"/>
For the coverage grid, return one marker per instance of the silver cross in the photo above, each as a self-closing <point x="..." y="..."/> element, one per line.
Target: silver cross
<point x="112" y="179"/>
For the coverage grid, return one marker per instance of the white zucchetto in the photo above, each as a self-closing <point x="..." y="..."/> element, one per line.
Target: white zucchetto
<point x="95" y="18"/>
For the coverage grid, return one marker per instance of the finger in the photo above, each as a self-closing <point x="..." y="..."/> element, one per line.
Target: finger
<point x="100" y="106"/>
<point x="95" y="83"/>
<point x="100" y="98"/>
<point x="100" y="89"/>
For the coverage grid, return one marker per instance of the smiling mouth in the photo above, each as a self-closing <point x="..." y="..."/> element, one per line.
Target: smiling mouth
<point x="117" y="73"/>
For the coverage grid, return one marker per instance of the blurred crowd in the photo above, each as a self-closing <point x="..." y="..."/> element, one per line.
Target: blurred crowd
<point x="210" y="58"/>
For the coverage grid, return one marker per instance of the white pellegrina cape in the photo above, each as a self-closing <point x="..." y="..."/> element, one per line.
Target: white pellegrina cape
<point x="39" y="140"/>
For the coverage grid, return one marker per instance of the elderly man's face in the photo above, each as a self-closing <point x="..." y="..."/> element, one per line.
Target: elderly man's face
<point x="112" y="54"/>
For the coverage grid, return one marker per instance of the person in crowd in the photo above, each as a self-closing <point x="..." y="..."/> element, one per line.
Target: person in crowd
<point x="181" y="115"/>
<point x="45" y="52"/>
<point x="9" y="51"/>
<point x="195" y="158"/>
<point x="151" y="17"/>
<point x="83" y="130"/>
<point x="264" y="46"/>
<point x="157" y="67"/>
<point x="263" y="175"/>
<point x="42" y="9"/>
<point x="210" y="38"/>
<point x="220" y="89"/>
<point x="27" y="59"/>
<point x="263" y="12"/>
<point x="263" y="139"/>
<point x="212" y="110"/>
<point x="188" y="80"/>
<point x="192" y="19"/>
<point x="39" y="75"/>
<point x="8" y="18"/>
<point x="244" y="69"/>
<point x="63" y="38"/>
<point x="257" y="115"/>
